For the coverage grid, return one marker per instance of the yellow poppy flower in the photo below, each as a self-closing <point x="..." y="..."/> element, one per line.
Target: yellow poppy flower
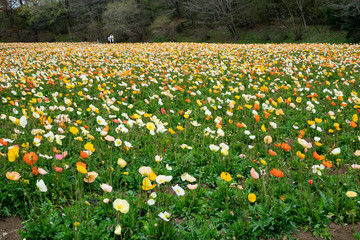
<point x="226" y="176"/>
<point x="252" y="197"/>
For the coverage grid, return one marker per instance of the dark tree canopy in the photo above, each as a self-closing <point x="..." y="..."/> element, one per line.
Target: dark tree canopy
<point x="169" y="20"/>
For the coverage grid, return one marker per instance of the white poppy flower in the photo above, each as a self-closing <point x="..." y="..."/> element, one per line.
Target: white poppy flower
<point x="41" y="185"/>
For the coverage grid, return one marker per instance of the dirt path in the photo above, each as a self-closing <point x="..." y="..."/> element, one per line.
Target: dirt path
<point x="9" y="228"/>
<point x="337" y="232"/>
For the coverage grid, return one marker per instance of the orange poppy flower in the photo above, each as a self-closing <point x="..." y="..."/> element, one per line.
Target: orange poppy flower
<point x="39" y="137"/>
<point x="84" y="154"/>
<point x="277" y="173"/>
<point x="81" y="164"/>
<point x="35" y="171"/>
<point x="285" y="147"/>
<point x="302" y="133"/>
<point x="30" y="158"/>
<point x="272" y="153"/>
<point x="327" y="164"/>
<point x="13" y="176"/>
<point x="257" y="118"/>
<point x="277" y="144"/>
<point x="353" y="124"/>
<point x="318" y="157"/>
<point x="3" y="142"/>
<point x="267" y="114"/>
<point x="239" y="125"/>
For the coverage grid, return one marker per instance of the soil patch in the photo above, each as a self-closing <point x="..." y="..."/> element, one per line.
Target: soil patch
<point x="336" y="171"/>
<point x="338" y="232"/>
<point x="9" y="228"/>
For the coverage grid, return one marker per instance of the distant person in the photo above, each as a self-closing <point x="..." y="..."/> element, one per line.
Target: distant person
<point x="111" y="38"/>
<point x="108" y="39"/>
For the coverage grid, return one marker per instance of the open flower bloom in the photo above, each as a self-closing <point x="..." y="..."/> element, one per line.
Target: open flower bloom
<point x="357" y="153"/>
<point x="121" y="205"/>
<point x="317" y="169"/>
<point x="151" y="201"/>
<point x="214" y="148"/>
<point x="117" y="230"/>
<point x="351" y="194"/>
<point x="165" y="216"/>
<point x="90" y="177"/>
<point x="81" y="169"/>
<point x="121" y="162"/>
<point x="192" y="186"/>
<point x="254" y="174"/>
<point x="277" y="173"/>
<point x="178" y="190"/>
<point x="30" y="158"/>
<point x="106" y="188"/>
<point x="89" y="146"/>
<point x="300" y="155"/>
<point x="226" y="176"/>
<point x="355" y="166"/>
<point x="163" y="179"/>
<point x="41" y="185"/>
<point x="252" y="197"/>
<point x="272" y="153"/>
<point x="336" y="151"/>
<point x="13" y="176"/>
<point x="147" y="171"/>
<point x="13" y="153"/>
<point x="158" y="158"/>
<point x="224" y="151"/>
<point x="285" y="147"/>
<point x="268" y="139"/>
<point x="318" y="157"/>
<point x="146" y="184"/>
<point x="327" y="164"/>
<point x="42" y="171"/>
<point x="187" y="177"/>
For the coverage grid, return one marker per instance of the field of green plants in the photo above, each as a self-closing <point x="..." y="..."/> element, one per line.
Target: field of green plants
<point x="179" y="140"/>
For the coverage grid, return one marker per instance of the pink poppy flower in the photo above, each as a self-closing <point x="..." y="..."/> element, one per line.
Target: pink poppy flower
<point x="254" y="174"/>
<point x="192" y="186"/>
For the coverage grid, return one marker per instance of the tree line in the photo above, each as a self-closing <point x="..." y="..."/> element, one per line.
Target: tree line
<point x="164" y="20"/>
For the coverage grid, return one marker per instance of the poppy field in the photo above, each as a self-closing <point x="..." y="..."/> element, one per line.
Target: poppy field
<point x="179" y="140"/>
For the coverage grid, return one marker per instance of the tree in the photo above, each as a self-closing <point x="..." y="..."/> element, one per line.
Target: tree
<point x="126" y="19"/>
<point x="349" y="12"/>
<point x="8" y="7"/>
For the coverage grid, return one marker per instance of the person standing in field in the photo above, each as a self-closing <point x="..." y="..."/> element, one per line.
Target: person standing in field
<point x="111" y="38"/>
